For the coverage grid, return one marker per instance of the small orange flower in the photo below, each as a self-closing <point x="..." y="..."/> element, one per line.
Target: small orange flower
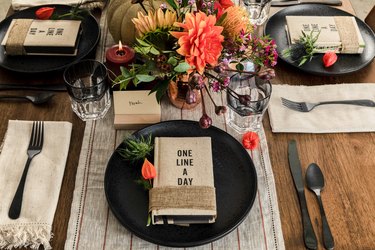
<point x="148" y="170"/>
<point x="44" y="13"/>
<point x="250" y="140"/>
<point x="200" y="41"/>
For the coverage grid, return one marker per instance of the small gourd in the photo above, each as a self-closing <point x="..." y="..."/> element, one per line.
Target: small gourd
<point x="119" y="18"/>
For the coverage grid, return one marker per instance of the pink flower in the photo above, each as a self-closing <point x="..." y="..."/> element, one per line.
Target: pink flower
<point x="200" y="41"/>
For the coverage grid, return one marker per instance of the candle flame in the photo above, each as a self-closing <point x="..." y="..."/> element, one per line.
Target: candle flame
<point x="120" y="46"/>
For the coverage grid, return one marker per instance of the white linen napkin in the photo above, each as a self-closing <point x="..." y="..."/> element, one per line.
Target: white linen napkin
<point x="326" y="118"/>
<point x="89" y="4"/>
<point x="42" y="187"/>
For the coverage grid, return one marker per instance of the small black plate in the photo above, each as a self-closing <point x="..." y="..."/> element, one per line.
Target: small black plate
<point x="235" y="182"/>
<point x="39" y="64"/>
<point x="346" y="63"/>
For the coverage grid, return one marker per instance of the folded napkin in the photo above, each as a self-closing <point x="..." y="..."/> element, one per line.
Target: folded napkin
<point x="323" y="119"/>
<point x="42" y="187"/>
<point x="89" y="4"/>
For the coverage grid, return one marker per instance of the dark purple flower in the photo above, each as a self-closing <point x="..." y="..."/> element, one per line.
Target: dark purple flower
<point x="191" y="97"/>
<point x="220" y="110"/>
<point x="205" y="121"/>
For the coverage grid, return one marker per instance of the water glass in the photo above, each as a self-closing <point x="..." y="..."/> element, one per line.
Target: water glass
<point x="247" y="98"/>
<point x="258" y="10"/>
<point x="86" y="82"/>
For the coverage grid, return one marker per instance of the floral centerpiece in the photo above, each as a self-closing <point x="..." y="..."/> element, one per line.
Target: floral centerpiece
<point x="199" y="41"/>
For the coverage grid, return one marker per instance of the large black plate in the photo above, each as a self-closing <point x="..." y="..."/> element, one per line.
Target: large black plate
<point x="37" y="64"/>
<point x="235" y="182"/>
<point x="346" y="63"/>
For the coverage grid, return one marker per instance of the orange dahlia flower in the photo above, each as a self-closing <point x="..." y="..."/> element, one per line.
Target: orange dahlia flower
<point x="200" y="41"/>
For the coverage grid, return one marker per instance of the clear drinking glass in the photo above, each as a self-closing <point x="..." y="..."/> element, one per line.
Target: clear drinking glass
<point x="247" y="98"/>
<point x="86" y="82"/>
<point x="258" y="10"/>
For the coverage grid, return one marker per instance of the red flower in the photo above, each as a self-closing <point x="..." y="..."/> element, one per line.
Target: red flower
<point x="44" y="13"/>
<point x="148" y="170"/>
<point x="329" y="58"/>
<point x="221" y="5"/>
<point x="250" y="140"/>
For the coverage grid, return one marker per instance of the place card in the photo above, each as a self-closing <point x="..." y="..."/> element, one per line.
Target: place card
<point x="135" y="109"/>
<point x="183" y="190"/>
<point x="42" y="37"/>
<point x="338" y="33"/>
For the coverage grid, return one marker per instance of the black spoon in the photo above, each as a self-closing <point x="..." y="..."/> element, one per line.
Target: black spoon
<point x="315" y="182"/>
<point x="35" y="99"/>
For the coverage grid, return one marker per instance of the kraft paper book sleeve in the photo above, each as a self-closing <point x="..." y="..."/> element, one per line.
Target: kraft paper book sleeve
<point x="42" y="37"/>
<point x="339" y="33"/>
<point x="183" y="190"/>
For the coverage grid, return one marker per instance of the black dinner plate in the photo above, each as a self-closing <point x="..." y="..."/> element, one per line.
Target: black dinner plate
<point x="39" y="64"/>
<point x="346" y="63"/>
<point x="235" y="181"/>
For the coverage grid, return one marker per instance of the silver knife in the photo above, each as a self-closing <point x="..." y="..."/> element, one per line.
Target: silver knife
<point x="46" y="87"/>
<point x="295" y="168"/>
<point x="281" y="3"/>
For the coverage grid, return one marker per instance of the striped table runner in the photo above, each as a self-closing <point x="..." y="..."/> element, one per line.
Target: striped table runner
<point x="93" y="226"/>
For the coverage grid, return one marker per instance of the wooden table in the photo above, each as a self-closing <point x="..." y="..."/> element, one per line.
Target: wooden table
<point x="346" y="159"/>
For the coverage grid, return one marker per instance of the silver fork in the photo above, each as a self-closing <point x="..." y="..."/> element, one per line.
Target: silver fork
<point x="306" y="106"/>
<point x="35" y="147"/>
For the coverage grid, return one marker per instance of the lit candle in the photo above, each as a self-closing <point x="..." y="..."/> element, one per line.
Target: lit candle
<point x="119" y="55"/>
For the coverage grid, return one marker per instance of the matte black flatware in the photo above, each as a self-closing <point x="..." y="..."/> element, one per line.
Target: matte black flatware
<point x="296" y="170"/>
<point x="283" y="3"/>
<point x="35" y="99"/>
<point x="315" y="182"/>
<point x="35" y="147"/>
<point x="41" y="87"/>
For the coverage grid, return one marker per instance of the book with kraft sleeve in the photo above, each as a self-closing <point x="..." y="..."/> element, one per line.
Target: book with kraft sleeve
<point x="183" y="190"/>
<point x="338" y="33"/>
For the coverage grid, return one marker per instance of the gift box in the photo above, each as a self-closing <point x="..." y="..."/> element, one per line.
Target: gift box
<point x="42" y="37"/>
<point x="183" y="190"/>
<point x="135" y="109"/>
<point x="338" y="33"/>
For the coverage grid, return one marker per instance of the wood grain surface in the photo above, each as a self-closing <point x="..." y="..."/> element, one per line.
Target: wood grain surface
<point x="346" y="159"/>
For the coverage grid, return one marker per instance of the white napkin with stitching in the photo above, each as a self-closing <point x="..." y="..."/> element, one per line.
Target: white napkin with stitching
<point x="325" y="118"/>
<point x="42" y="187"/>
<point x="89" y="4"/>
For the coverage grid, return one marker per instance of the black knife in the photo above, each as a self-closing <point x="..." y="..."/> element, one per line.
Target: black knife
<point x="296" y="170"/>
<point x="281" y="3"/>
<point x="46" y="87"/>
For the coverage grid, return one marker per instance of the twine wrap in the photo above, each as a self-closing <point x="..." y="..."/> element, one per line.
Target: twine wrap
<point x="16" y="37"/>
<point x="190" y="197"/>
<point x="348" y="34"/>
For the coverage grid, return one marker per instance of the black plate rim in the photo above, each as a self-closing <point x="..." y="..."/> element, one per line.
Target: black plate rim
<point x="187" y="244"/>
<point x="306" y="69"/>
<point x="57" y="68"/>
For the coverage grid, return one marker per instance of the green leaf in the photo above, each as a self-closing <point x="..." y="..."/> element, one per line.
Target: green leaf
<point x="221" y="19"/>
<point x="172" y="4"/>
<point x="143" y="43"/>
<point x="172" y="60"/>
<point x="160" y="89"/>
<point x="145" y="78"/>
<point x="124" y="71"/>
<point x="154" y="51"/>
<point x="182" y="67"/>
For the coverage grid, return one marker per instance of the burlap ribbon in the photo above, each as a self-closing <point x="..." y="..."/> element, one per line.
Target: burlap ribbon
<point x="190" y="197"/>
<point x="348" y="34"/>
<point x="16" y="37"/>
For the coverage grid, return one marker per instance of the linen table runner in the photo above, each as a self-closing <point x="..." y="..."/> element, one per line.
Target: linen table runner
<point x="326" y="118"/>
<point x="93" y="226"/>
<point x="89" y="4"/>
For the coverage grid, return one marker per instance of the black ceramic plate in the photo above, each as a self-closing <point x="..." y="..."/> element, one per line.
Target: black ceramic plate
<point x="235" y="182"/>
<point x="346" y="63"/>
<point x="37" y="64"/>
